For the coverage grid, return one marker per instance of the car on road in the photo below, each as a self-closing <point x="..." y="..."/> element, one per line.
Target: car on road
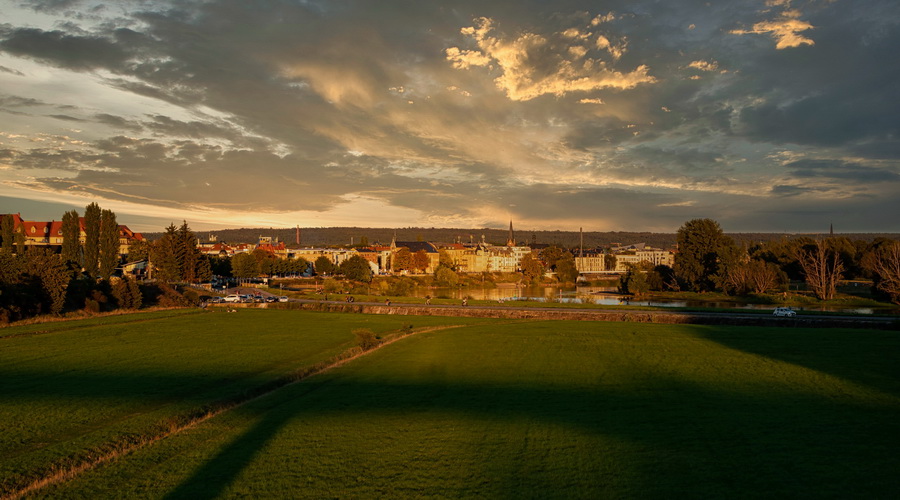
<point x="784" y="312"/>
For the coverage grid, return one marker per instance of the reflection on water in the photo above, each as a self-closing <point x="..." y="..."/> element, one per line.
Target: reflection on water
<point x="595" y="295"/>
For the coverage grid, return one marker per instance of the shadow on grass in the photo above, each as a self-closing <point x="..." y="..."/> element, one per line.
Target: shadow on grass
<point x="696" y="440"/>
<point x="865" y="357"/>
<point x="707" y="439"/>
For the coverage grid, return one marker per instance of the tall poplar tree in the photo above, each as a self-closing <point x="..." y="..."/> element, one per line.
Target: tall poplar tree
<point x="92" y="239"/>
<point x="108" y="244"/>
<point x="7" y="234"/>
<point x="71" y="234"/>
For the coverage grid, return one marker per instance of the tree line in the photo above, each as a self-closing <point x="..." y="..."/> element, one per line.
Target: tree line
<point x="37" y="280"/>
<point x="709" y="260"/>
<point x="81" y="276"/>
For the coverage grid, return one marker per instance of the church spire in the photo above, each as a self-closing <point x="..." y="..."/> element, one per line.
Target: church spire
<point x="511" y="240"/>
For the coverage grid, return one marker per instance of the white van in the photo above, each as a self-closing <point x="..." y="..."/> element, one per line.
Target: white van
<point x="233" y="298"/>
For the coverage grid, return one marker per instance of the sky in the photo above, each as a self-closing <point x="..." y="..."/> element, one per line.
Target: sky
<point x="637" y="115"/>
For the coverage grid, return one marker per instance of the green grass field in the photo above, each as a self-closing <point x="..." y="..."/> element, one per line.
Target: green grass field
<point x="72" y="390"/>
<point x="552" y="410"/>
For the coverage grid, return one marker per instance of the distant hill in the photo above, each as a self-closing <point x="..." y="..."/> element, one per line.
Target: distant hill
<point x="327" y="236"/>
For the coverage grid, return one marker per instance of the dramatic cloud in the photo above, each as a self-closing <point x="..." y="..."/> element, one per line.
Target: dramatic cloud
<point x="766" y="115"/>
<point x="786" y="28"/>
<point x="532" y="65"/>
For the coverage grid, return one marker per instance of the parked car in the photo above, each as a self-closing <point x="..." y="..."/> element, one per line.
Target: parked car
<point x="246" y="299"/>
<point x="283" y="298"/>
<point x="216" y="300"/>
<point x="234" y="298"/>
<point x="784" y="312"/>
<point x="271" y="298"/>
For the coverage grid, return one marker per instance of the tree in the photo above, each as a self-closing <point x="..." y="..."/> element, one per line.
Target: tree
<point x="323" y="265"/>
<point x="244" y="265"/>
<point x="763" y="276"/>
<point x="551" y="255"/>
<point x="444" y="276"/>
<point x="163" y="256"/>
<point x="635" y="281"/>
<point x="609" y="262"/>
<point x="421" y="261"/>
<point x="662" y="278"/>
<point x="52" y="274"/>
<point x="138" y="250"/>
<point x="7" y="234"/>
<point x="266" y="262"/>
<point x="402" y="260"/>
<point x="566" y="272"/>
<point x="127" y="293"/>
<point x="445" y="260"/>
<point x="702" y="248"/>
<point x="91" y="251"/>
<point x="71" y="234"/>
<point x="822" y="268"/>
<point x="108" y="250"/>
<point x="357" y="268"/>
<point x="20" y="241"/>
<point x="887" y="269"/>
<point x="175" y="256"/>
<point x="531" y="267"/>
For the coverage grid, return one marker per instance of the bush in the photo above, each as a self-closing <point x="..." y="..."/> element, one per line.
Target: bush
<point x="445" y="276"/>
<point x="191" y="296"/>
<point x="401" y="287"/>
<point x="331" y="286"/>
<point x="366" y="339"/>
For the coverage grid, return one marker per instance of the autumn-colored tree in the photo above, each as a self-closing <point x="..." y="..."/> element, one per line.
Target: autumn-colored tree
<point x="531" y="267"/>
<point x="402" y="260"/>
<point x="421" y="261"/>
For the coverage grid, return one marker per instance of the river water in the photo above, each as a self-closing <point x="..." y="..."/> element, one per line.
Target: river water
<point x="597" y="295"/>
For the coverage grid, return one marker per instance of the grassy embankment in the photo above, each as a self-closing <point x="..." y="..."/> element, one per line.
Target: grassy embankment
<point x="555" y="410"/>
<point x="74" y="391"/>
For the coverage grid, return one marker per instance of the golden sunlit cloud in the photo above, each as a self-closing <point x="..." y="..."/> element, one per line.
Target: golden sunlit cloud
<point x="785" y="29"/>
<point x="532" y="65"/>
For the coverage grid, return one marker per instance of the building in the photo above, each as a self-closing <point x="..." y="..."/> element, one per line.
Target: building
<point x="49" y="234"/>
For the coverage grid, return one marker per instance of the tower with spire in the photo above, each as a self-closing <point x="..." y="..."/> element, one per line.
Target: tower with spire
<point x="511" y="239"/>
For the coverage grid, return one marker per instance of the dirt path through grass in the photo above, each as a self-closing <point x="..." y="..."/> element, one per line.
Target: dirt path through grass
<point x="112" y="451"/>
